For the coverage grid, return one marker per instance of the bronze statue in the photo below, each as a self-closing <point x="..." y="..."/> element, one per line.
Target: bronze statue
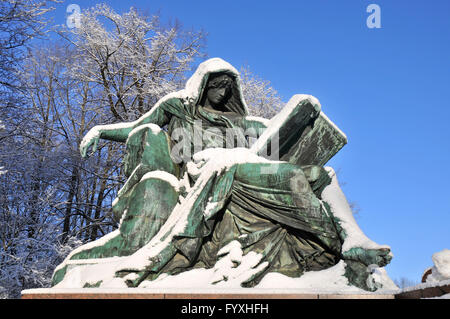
<point x="217" y="176"/>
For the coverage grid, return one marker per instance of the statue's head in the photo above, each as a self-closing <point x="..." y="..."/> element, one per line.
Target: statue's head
<point x="218" y="90"/>
<point x="216" y="82"/>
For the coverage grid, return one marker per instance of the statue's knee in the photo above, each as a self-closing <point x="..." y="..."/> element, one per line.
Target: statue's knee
<point x="157" y="185"/>
<point x="150" y="202"/>
<point x="149" y="145"/>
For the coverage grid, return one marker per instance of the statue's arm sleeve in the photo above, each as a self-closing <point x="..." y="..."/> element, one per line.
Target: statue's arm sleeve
<point x="158" y="115"/>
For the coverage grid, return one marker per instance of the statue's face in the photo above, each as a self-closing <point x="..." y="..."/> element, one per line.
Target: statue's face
<point x="217" y="96"/>
<point x="219" y="89"/>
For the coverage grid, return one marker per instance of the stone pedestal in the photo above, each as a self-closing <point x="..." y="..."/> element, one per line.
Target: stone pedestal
<point x="425" y="291"/>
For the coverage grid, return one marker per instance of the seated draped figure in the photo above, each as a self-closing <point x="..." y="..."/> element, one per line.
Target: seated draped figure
<point x="216" y="179"/>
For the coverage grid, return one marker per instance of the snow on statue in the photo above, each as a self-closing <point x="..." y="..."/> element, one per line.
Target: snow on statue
<point x="223" y="199"/>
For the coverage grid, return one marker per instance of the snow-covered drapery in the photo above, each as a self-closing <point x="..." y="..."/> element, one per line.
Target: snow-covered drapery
<point x="183" y="212"/>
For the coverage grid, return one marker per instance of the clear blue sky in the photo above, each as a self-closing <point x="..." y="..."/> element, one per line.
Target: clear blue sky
<point x="388" y="89"/>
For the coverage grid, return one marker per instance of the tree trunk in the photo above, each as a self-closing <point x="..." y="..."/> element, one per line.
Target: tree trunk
<point x="70" y="196"/>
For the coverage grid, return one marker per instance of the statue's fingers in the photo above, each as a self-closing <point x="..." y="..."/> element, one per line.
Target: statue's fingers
<point x="388" y="259"/>
<point x="383" y="260"/>
<point x="94" y="147"/>
<point x="86" y="147"/>
<point x="380" y="261"/>
<point x="83" y="150"/>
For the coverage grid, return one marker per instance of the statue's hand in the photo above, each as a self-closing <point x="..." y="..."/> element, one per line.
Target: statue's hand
<point x="91" y="138"/>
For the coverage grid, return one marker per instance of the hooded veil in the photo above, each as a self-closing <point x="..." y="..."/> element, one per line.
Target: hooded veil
<point x="195" y="86"/>
<point x="184" y="104"/>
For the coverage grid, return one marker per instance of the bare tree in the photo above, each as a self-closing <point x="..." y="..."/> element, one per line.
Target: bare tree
<point x="48" y="195"/>
<point x="24" y="232"/>
<point x="20" y="21"/>
<point x="404" y="282"/>
<point x="262" y="99"/>
<point x="136" y="61"/>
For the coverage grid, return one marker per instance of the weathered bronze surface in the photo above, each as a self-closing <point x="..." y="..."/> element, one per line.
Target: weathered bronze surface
<point x="272" y="207"/>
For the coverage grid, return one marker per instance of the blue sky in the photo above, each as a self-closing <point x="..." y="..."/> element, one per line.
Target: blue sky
<point x="388" y="89"/>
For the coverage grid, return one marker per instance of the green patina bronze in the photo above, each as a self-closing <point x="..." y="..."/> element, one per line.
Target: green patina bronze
<point x="273" y="208"/>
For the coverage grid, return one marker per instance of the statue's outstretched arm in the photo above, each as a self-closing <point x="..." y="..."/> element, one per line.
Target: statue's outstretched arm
<point x="119" y="132"/>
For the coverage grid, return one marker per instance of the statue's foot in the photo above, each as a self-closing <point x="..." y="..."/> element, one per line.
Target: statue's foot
<point x="358" y="275"/>
<point x="381" y="256"/>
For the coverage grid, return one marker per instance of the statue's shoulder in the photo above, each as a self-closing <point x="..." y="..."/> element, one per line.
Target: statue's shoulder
<point x="172" y="101"/>
<point x="176" y="104"/>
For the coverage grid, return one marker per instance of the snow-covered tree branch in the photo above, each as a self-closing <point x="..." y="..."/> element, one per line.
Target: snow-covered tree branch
<point x="133" y="58"/>
<point x="262" y="99"/>
<point x="20" y="21"/>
